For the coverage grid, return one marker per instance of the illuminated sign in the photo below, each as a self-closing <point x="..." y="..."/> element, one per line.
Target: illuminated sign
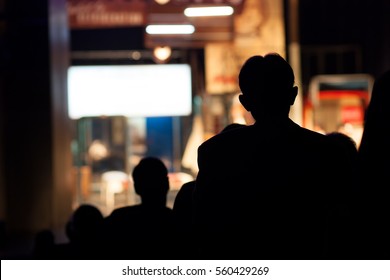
<point x="106" y="13"/>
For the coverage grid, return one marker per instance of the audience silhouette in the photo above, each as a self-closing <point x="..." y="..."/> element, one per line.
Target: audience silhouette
<point x="143" y="231"/>
<point x="263" y="191"/>
<point x="374" y="154"/>
<point x="182" y="212"/>
<point x="343" y="235"/>
<point x="83" y="230"/>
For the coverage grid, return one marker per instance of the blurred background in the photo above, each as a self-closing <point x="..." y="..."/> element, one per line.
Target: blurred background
<point x="89" y="87"/>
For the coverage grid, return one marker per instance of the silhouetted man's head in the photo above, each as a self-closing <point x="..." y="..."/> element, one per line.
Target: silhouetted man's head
<point x="267" y="85"/>
<point x="151" y="180"/>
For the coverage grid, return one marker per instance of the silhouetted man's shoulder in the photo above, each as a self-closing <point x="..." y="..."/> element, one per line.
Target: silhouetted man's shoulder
<point x="256" y="136"/>
<point x="324" y="143"/>
<point x="125" y="211"/>
<point x="313" y="134"/>
<point x="232" y="136"/>
<point x="312" y="138"/>
<point x="121" y="218"/>
<point x="140" y="210"/>
<point x="261" y="153"/>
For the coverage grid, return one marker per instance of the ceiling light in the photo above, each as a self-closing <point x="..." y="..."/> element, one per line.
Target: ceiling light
<point x="162" y="54"/>
<point x="162" y="2"/>
<point x="170" y="29"/>
<point x="208" y="11"/>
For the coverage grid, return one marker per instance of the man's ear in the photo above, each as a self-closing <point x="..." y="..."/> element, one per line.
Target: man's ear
<point x="245" y="102"/>
<point x="293" y="95"/>
<point x="166" y="185"/>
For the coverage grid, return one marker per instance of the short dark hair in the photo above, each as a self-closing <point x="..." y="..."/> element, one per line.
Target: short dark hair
<point x="266" y="74"/>
<point x="149" y="167"/>
<point x="150" y="176"/>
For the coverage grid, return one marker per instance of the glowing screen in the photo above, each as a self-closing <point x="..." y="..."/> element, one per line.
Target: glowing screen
<point x="129" y="90"/>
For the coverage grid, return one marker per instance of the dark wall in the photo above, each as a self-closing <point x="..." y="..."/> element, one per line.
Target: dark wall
<point x="363" y="23"/>
<point x="2" y="116"/>
<point x="332" y="21"/>
<point x="131" y="38"/>
<point x="27" y="128"/>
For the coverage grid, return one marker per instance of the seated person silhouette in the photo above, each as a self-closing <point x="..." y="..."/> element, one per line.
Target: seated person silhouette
<point x="143" y="231"/>
<point x="83" y="230"/>
<point x="263" y="190"/>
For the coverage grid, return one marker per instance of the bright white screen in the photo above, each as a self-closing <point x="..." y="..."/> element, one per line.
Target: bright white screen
<point x="129" y="90"/>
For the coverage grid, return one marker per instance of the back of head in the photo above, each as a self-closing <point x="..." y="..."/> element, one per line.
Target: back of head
<point x="85" y="223"/>
<point x="150" y="178"/>
<point x="345" y="143"/>
<point x="267" y="85"/>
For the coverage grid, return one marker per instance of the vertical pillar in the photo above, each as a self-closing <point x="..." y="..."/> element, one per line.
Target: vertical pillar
<point x="61" y="152"/>
<point x="2" y="116"/>
<point x="36" y="147"/>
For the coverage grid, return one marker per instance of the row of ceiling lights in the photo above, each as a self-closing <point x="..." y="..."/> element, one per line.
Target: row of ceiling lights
<point x="163" y="53"/>
<point x="161" y="29"/>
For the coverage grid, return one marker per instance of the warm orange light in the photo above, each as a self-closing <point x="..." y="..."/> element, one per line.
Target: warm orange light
<point x="162" y="54"/>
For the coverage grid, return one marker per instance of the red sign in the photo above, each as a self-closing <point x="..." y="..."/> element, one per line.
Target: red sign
<point x="106" y="13"/>
<point x="352" y="114"/>
<point x="117" y="13"/>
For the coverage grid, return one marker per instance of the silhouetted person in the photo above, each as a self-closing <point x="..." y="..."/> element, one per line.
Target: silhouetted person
<point x="83" y="230"/>
<point x="344" y="217"/>
<point x="347" y="148"/>
<point x="183" y="218"/>
<point x="143" y="231"/>
<point x="348" y="144"/>
<point x="374" y="155"/>
<point x="183" y="213"/>
<point x="263" y="190"/>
